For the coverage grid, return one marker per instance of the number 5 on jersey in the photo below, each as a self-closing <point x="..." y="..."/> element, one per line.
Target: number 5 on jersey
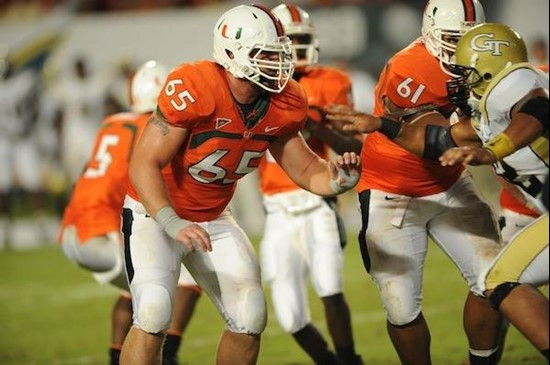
<point x="102" y="156"/>
<point x="405" y="91"/>
<point x="179" y="103"/>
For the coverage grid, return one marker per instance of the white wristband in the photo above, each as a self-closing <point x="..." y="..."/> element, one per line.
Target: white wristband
<point x="345" y="181"/>
<point x="170" y="221"/>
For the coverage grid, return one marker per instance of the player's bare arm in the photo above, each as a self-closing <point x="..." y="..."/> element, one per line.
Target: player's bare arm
<point x="158" y="145"/>
<point x="529" y="121"/>
<point x="311" y="172"/>
<point x="425" y="133"/>
<point x="339" y="141"/>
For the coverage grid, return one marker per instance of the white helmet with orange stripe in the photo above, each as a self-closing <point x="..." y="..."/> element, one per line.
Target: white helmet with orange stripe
<point x="299" y="27"/>
<point x="145" y="86"/>
<point x="444" y="22"/>
<point x="250" y="43"/>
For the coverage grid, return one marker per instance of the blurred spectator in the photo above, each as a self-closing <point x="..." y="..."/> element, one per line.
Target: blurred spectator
<point x="20" y="178"/>
<point x="81" y="97"/>
<point x="539" y="52"/>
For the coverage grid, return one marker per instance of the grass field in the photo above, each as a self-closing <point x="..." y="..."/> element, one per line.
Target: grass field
<point x="54" y="313"/>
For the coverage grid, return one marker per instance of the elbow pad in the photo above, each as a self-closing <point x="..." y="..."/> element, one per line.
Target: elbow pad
<point x="438" y="139"/>
<point x="537" y="108"/>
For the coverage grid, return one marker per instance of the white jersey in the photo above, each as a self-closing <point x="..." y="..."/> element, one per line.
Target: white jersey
<point x="527" y="167"/>
<point x="18" y="104"/>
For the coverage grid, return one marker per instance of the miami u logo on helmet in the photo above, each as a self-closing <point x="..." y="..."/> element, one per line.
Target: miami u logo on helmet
<point x="238" y="32"/>
<point x="485" y="43"/>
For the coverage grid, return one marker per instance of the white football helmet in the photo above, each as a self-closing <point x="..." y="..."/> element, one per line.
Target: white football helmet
<point x="299" y="27"/>
<point x="145" y="86"/>
<point x="249" y="42"/>
<point x="444" y="22"/>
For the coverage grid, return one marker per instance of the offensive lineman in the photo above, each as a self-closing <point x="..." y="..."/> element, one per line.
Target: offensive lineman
<point x="213" y="123"/>
<point x="405" y="198"/>
<point x="508" y="103"/>
<point x="303" y="232"/>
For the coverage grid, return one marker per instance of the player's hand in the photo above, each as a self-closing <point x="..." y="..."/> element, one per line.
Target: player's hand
<point x="474" y="156"/>
<point x="345" y="172"/>
<point x="194" y="237"/>
<point x="346" y="119"/>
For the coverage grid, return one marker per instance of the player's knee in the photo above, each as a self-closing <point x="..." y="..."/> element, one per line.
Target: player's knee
<point x="497" y="296"/>
<point x="154" y="309"/>
<point x="252" y="312"/>
<point x="292" y="322"/>
<point x="400" y="316"/>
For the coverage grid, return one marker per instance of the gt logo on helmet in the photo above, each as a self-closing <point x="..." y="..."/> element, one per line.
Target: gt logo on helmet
<point x="484" y="43"/>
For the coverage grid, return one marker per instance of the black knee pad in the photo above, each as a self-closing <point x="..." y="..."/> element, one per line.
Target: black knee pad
<point x="500" y="293"/>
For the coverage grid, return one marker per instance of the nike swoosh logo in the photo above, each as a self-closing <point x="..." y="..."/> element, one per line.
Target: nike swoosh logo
<point x="391" y="197"/>
<point x="270" y="129"/>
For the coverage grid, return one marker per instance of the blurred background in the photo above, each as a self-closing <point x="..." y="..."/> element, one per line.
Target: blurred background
<point x="65" y="65"/>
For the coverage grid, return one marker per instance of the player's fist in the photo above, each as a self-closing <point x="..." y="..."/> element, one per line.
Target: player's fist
<point x="467" y="156"/>
<point x="194" y="237"/>
<point x="344" y="118"/>
<point x="345" y="172"/>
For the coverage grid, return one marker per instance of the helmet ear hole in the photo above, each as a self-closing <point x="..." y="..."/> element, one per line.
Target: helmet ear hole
<point x="487" y="76"/>
<point x="229" y="54"/>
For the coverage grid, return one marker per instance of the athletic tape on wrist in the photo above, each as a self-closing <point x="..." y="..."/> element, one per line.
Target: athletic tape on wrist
<point x="170" y="221"/>
<point x="345" y="181"/>
<point x="500" y="146"/>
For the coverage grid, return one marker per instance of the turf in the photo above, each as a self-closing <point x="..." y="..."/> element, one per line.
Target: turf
<point x="51" y="312"/>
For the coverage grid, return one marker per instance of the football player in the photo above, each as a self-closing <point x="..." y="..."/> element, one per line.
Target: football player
<point x="406" y="198"/>
<point x="90" y="234"/>
<point x="303" y="232"/>
<point x="213" y="123"/>
<point x="508" y="103"/>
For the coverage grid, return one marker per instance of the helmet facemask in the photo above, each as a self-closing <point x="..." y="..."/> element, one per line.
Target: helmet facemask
<point x="442" y="43"/>
<point x="305" y="50"/>
<point x="460" y="87"/>
<point x="270" y="66"/>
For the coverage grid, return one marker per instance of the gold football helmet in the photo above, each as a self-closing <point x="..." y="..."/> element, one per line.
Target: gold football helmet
<point x="483" y="52"/>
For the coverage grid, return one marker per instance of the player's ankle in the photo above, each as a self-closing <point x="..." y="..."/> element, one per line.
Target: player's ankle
<point x="483" y="357"/>
<point x="114" y="354"/>
<point x="347" y="354"/>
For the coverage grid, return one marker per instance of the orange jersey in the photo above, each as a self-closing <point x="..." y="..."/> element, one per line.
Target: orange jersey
<point x="98" y="196"/>
<point x="220" y="148"/>
<point x="324" y="86"/>
<point x="413" y="77"/>
<point x="509" y="202"/>
<point x="543" y="68"/>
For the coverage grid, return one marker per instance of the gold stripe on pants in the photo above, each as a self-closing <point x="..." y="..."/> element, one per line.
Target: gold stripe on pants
<point x="518" y="254"/>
